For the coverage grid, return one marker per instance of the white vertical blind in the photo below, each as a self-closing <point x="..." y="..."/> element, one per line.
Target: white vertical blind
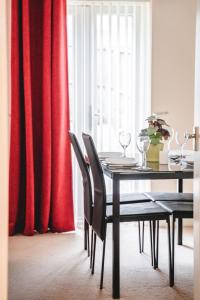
<point x="109" y="74"/>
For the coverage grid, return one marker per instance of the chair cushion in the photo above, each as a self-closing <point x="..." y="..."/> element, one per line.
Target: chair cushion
<point x="130" y="198"/>
<point x="139" y="211"/>
<point x="187" y="197"/>
<point x="178" y="208"/>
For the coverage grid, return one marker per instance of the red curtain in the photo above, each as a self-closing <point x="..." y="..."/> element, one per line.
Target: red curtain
<point x="40" y="157"/>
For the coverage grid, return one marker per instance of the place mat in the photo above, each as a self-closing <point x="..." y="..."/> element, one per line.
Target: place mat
<point x="142" y="169"/>
<point x="104" y="155"/>
<point x="121" y="162"/>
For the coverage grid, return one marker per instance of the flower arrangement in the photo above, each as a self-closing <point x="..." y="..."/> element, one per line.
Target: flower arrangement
<point x="155" y="130"/>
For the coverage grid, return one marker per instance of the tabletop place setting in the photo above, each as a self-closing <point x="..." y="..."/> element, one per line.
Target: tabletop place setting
<point x="154" y="150"/>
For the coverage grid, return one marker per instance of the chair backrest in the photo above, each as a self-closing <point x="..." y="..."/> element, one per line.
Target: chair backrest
<point x="87" y="188"/>
<point x="99" y="209"/>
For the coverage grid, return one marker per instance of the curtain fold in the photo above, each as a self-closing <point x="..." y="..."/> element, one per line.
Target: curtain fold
<point x="40" y="154"/>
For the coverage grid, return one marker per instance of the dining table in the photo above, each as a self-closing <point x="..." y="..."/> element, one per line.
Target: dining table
<point x="156" y="172"/>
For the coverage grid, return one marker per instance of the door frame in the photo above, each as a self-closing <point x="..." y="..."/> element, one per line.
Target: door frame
<point x="197" y="164"/>
<point x="4" y="141"/>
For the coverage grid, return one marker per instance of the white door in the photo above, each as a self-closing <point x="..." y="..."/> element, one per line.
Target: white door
<point x="197" y="168"/>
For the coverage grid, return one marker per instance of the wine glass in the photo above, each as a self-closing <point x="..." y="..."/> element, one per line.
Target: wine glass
<point x="143" y="143"/>
<point x="124" y="140"/>
<point x="181" y="141"/>
<point x="170" y="138"/>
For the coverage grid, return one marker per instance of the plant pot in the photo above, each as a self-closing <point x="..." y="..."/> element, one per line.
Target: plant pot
<point x="153" y="152"/>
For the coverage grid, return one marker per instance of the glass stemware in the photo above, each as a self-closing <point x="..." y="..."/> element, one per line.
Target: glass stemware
<point x="170" y="139"/>
<point x="124" y="140"/>
<point x="181" y="141"/>
<point x="143" y="143"/>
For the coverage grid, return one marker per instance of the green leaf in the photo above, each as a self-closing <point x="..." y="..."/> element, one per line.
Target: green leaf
<point x="158" y="135"/>
<point x="151" y="130"/>
<point x="155" y="139"/>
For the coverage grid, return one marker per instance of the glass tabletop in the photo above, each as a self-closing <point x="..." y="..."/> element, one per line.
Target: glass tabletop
<point x="156" y="171"/>
<point x="171" y="166"/>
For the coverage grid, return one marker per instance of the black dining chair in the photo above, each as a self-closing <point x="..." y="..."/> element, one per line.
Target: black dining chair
<point x="180" y="206"/>
<point x="166" y="196"/>
<point x="87" y="189"/>
<point x="178" y="209"/>
<point x="88" y="199"/>
<point x="102" y="213"/>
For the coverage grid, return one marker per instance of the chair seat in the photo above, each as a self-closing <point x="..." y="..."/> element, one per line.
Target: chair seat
<point x="187" y="197"/>
<point x="129" y="198"/>
<point x="178" y="208"/>
<point x="138" y="212"/>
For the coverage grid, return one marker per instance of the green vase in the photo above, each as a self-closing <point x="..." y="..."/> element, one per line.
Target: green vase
<point x="153" y="152"/>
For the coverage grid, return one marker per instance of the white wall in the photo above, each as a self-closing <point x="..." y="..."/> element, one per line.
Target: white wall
<point x="197" y="69"/>
<point x="173" y="66"/>
<point x="4" y="142"/>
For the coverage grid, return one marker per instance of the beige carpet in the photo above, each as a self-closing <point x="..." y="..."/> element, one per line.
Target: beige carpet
<point x="55" y="267"/>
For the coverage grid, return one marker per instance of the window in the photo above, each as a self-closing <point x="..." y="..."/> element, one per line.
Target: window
<point x="109" y="72"/>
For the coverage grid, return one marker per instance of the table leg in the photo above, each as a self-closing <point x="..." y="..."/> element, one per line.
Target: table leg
<point x="180" y="220"/>
<point x="116" y="238"/>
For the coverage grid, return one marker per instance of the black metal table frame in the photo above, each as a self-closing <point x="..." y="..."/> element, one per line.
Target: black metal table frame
<point x="116" y="178"/>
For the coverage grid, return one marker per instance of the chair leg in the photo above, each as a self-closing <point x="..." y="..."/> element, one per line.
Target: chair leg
<point x="85" y="234"/>
<point x="154" y="243"/>
<point x="157" y="243"/>
<point x="93" y="253"/>
<point x="151" y="242"/>
<point x="103" y="260"/>
<point x="88" y="240"/>
<point x="143" y="236"/>
<point x="173" y="251"/>
<point x="170" y="253"/>
<point x="139" y="237"/>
